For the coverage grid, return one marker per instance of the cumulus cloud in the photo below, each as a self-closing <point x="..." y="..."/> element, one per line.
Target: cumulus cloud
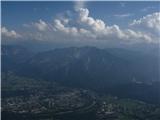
<point x="41" y="25"/>
<point x="94" y="24"/>
<point x="78" y="25"/>
<point x="9" y="33"/>
<point x="98" y="29"/>
<point x="58" y="25"/>
<point x="149" y="22"/>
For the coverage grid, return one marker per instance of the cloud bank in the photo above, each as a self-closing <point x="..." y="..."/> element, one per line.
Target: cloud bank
<point x="87" y="26"/>
<point x="79" y="26"/>
<point x="11" y="34"/>
<point x="149" y="22"/>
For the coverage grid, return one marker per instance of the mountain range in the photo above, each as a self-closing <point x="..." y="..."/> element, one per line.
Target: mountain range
<point x="125" y="73"/>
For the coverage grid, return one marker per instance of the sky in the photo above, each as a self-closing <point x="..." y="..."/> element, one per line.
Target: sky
<point x="85" y="22"/>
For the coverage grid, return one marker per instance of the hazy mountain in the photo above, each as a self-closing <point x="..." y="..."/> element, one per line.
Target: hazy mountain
<point x="13" y="56"/>
<point x="83" y="67"/>
<point x="105" y="70"/>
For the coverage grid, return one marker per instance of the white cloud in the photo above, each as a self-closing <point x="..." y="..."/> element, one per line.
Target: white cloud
<point x="11" y="34"/>
<point x="61" y="27"/>
<point x="94" y="24"/>
<point x="80" y="26"/>
<point x="41" y="25"/>
<point x="98" y="29"/>
<point x="149" y="22"/>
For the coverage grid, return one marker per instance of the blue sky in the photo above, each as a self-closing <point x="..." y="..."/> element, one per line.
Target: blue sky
<point x="24" y="12"/>
<point x="16" y="15"/>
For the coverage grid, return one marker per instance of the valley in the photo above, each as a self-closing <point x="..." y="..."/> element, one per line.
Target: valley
<point x="76" y="83"/>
